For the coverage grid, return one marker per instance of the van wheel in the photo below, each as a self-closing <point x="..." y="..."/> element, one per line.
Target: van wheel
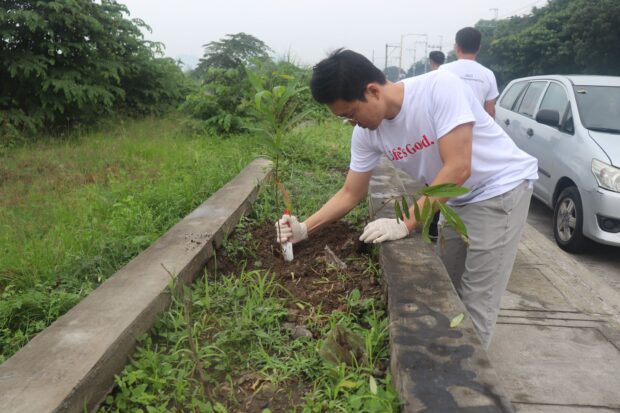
<point x="568" y="221"/>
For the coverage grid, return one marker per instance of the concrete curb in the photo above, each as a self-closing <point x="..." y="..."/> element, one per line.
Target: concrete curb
<point x="71" y="365"/>
<point x="435" y="368"/>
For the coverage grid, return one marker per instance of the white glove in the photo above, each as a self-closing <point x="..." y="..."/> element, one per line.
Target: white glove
<point x="384" y="229"/>
<point x="288" y="228"/>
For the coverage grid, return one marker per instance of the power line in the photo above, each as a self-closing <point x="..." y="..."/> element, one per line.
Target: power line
<point x="521" y="9"/>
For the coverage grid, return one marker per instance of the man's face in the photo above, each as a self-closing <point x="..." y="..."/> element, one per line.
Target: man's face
<point x="366" y="114"/>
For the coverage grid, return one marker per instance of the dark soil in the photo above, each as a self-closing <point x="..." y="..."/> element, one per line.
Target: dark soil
<point x="315" y="280"/>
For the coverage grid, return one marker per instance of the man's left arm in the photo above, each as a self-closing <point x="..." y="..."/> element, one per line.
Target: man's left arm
<point x="455" y="151"/>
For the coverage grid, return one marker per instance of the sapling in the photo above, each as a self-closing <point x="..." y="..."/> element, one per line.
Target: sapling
<point x="278" y="113"/>
<point x="424" y="216"/>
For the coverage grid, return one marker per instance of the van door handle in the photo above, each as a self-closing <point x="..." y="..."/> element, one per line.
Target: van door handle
<point x="507" y="122"/>
<point x="529" y="132"/>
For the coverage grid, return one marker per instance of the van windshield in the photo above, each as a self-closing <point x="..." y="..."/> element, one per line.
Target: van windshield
<point x="599" y="107"/>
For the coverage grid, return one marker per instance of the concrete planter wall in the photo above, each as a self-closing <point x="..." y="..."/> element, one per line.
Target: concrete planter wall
<point x="71" y="364"/>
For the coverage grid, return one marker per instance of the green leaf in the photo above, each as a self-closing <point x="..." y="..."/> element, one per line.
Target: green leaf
<point x="398" y="212"/>
<point x="416" y="210"/>
<point x="405" y="206"/>
<point x="348" y="384"/>
<point x="278" y="91"/>
<point x="428" y="220"/>
<point x="258" y="98"/>
<point x="443" y="190"/>
<point x="255" y="80"/>
<point x="457" y="320"/>
<point x="354" y="295"/>
<point x="426" y="210"/>
<point x="453" y="220"/>
<point x="261" y="334"/>
<point x="372" y="383"/>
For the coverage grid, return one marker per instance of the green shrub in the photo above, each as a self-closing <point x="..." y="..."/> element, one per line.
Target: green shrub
<point x="220" y="105"/>
<point x="71" y="62"/>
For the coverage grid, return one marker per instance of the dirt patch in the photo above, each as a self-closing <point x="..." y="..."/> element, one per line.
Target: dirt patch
<point x="315" y="280"/>
<point x="313" y="277"/>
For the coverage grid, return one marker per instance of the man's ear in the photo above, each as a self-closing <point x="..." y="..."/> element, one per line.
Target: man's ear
<point x="372" y="90"/>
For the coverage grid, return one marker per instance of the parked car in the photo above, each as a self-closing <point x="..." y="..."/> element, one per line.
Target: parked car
<point x="571" y="124"/>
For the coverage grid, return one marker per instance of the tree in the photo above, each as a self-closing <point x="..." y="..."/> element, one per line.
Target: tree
<point x="451" y="57"/>
<point x="393" y="73"/>
<point x="232" y="52"/>
<point x="417" y="68"/>
<point x="565" y="36"/>
<point x="66" y="62"/>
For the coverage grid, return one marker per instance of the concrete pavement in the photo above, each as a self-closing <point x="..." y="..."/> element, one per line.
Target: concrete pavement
<point x="557" y="341"/>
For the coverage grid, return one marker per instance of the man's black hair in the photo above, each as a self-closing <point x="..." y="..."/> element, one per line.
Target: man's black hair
<point x="343" y="75"/>
<point x="468" y="39"/>
<point x="437" y="57"/>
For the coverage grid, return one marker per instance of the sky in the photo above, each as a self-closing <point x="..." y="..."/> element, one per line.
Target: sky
<point x="307" y="30"/>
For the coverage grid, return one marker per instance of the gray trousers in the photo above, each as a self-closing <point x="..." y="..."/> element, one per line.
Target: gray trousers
<point x="480" y="270"/>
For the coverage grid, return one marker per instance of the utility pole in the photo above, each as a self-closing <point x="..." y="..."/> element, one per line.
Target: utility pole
<point x="495" y="11"/>
<point x="386" y="56"/>
<point x="402" y="36"/>
<point x="387" y="47"/>
<point x="437" y="46"/>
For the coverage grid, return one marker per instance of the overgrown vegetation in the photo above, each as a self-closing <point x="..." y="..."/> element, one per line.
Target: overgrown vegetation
<point x="66" y="63"/>
<point x="224" y="102"/>
<point x="237" y="322"/>
<point x="72" y="214"/>
<point x="229" y="332"/>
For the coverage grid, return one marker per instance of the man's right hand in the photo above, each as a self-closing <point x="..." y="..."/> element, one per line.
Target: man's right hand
<point x="288" y="228"/>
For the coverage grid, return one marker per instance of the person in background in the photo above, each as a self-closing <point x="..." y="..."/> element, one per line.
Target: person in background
<point x="436" y="59"/>
<point x="479" y="78"/>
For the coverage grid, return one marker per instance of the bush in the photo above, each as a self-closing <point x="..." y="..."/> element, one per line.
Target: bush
<point x="220" y="105"/>
<point x="223" y="105"/>
<point x="64" y="63"/>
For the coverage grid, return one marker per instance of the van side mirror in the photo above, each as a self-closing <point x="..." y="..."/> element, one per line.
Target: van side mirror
<point x="548" y="117"/>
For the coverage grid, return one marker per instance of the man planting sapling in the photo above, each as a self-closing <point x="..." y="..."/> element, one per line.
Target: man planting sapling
<point x="432" y="127"/>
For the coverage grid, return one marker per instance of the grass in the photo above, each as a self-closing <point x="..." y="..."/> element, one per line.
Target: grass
<point x="238" y="320"/>
<point x="226" y="332"/>
<point x="73" y="212"/>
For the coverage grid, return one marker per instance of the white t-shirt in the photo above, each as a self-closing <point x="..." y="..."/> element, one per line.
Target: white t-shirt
<point x="479" y="78"/>
<point x="433" y="105"/>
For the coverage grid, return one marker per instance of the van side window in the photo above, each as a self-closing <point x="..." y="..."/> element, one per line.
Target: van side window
<point x="511" y="95"/>
<point x="528" y="103"/>
<point x="555" y="99"/>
